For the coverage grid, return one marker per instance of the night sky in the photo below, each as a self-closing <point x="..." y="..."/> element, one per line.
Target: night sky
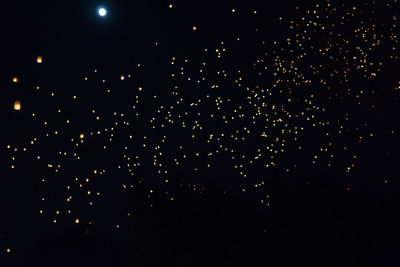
<point x="200" y="133"/>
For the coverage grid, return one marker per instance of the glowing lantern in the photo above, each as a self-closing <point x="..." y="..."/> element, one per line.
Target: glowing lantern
<point x="17" y="105"/>
<point x="122" y="77"/>
<point x="15" y="79"/>
<point x="82" y="136"/>
<point x="39" y="59"/>
<point x="76" y="220"/>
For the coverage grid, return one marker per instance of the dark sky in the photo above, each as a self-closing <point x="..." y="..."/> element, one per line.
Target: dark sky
<point x="267" y="106"/>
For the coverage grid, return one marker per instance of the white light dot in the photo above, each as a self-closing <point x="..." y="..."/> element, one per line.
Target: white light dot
<point x="102" y="12"/>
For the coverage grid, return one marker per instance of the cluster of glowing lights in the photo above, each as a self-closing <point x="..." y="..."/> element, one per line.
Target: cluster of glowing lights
<point x="249" y="131"/>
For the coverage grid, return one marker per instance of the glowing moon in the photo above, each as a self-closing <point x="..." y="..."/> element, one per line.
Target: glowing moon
<point x="102" y="12"/>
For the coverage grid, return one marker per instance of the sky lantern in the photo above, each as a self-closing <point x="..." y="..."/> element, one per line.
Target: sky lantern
<point x="122" y="77"/>
<point x="15" y="79"/>
<point x="39" y="59"/>
<point x="17" y="105"/>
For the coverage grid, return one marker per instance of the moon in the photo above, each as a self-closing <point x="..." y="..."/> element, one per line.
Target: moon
<point x="102" y="12"/>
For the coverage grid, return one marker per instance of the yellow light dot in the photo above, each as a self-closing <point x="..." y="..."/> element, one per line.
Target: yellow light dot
<point x="77" y="220"/>
<point x="39" y="59"/>
<point x="8" y="250"/>
<point x="82" y="136"/>
<point x="15" y="79"/>
<point x="170" y="6"/>
<point x="194" y="28"/>
<point x="122" y="77"/>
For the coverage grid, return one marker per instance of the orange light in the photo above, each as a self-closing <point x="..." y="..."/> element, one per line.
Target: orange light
<point x="17" y="105"/>
<point x="39" y="59"/>
<point x="15" y="79"/>
<point x="122" y="77"/>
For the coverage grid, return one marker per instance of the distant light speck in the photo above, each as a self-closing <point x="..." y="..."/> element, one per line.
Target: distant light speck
<point x="102" y="12"/>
